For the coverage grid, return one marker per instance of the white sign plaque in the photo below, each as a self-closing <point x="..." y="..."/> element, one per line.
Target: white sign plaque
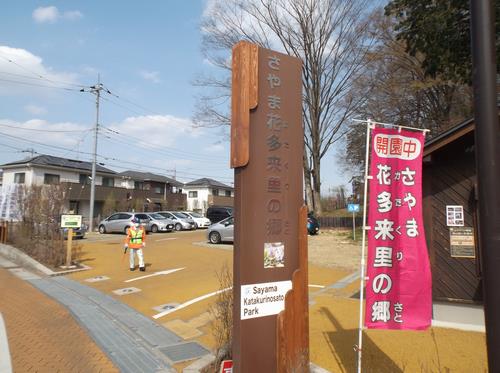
<point x="265" y="299"/>
<point x="71" y="221"/>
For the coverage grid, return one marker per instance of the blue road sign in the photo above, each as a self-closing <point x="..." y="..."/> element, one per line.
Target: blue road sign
<point x="353" y="207"/>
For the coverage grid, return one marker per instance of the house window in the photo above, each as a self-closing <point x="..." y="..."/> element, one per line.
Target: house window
<point x="74" y="207"/>
<point x="19" y="177"/>
<point x="50" y="179"/>
<point x="84" y="179"/>
<point x="215" y="192"/>
<point x="193" y="194"/>
<point x="158" y="190"/>
<point x="228" y="193"/>
<point x="138" y="185"/>
<point x="108" y="181"/>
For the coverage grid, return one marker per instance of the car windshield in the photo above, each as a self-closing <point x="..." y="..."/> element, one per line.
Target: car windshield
<point x="228" y="221"/>
<point x="157" y="216"/>
<point x="196" y="215"/>
<point x="180" y="215"/>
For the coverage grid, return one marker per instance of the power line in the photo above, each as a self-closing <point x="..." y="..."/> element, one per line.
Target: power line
<point x="38" y="85"/>
<point x="181" y="153"/>
<point x="38" y="75"/>
<point x="40" y="130"/>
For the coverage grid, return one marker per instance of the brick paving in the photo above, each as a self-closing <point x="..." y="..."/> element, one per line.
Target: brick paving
<point x="42" y="334"/>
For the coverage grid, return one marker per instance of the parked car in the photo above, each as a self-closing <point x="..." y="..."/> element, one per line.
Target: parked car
<point x="159" y="223"/>
<point x="218" y="213"/>
<point x="77" y="232"/>
<point x="222" y="231"/>
<point x="181" y="221"/>
<point x="312" y="224"/>
<point x="199" y="220"/>
<point x="122" y="221"/>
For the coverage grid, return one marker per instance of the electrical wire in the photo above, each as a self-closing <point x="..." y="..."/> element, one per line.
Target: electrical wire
<point x="40" y="130"/>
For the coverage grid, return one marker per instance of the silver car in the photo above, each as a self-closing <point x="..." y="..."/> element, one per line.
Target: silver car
<point x="181" y="221"/>
<point x="222" y="231"/>
<point x="159" y="223"/>
<point x="122" y="221"/>
<point x="199" y="219"/>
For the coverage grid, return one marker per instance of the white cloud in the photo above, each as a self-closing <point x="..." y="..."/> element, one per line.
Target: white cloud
<point x="72" y="15"/>
<point x="50" y="14"/>
<point x="42" y="131"/>
<point x="35" y="109"/>
<point x="158" y="130"/>
<point x="25" y="72"/>
<point x="152" y="76"/>
<point x="214" y="148"/>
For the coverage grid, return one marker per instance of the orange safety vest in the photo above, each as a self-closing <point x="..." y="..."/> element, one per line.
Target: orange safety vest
<point x="135" y="237"/>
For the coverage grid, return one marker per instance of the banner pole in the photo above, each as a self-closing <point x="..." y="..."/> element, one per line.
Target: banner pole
<point x="363" y="247"/>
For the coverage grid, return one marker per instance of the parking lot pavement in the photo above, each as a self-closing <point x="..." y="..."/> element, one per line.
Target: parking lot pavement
<point x="182" y="271"/>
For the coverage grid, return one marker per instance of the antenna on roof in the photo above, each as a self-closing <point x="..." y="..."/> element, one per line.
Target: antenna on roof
<point x="29" y="150"/>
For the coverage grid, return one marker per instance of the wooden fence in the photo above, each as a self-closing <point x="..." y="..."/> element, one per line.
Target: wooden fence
<point x="339" y="221"/>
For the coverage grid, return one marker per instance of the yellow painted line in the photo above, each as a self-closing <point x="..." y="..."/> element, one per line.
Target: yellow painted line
<point x="188" y="303"/>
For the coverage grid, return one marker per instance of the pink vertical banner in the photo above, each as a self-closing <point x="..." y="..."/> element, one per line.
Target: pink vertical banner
<point x="399" y="286"/>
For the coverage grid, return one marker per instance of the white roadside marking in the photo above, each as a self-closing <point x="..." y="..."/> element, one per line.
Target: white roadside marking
<point x="168" y="271"/>
<point x="316" y="286"/>
<point x="188" y="303"/>
<point x="165" y="239"/>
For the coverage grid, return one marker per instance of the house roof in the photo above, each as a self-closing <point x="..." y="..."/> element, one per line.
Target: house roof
<point x="49" y="160"/>
<point x="207" y="182"/>
<point x="455" y="132"/>
<point x="148" y="176"/>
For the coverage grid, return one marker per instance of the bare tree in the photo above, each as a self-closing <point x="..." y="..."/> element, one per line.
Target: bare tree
<point x="401" y="93"/>
<point x="331" y="39"/>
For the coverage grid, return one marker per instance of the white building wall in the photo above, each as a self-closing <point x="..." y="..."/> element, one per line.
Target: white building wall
<point x="199" y="203"/>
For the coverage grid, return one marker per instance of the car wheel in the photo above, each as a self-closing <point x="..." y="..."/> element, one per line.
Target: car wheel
<point x="154" y="229"/>
<point x="102" y="229"/>
<point x="178" y="227"/>
<point x="126" y="229"/>
<point x="214" y="237"/>
<point x="196" y="226"/>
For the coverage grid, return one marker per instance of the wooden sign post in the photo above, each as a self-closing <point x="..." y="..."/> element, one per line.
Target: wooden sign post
<point x="270" y="332"/>
<point x="70" y="222"/>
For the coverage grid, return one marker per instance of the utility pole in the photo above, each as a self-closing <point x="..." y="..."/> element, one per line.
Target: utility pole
<point x="487" y="147"/>
<point x="95" y="89"/>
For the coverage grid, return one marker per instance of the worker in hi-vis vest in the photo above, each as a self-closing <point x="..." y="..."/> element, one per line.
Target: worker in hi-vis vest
<point x="135" y="241"/>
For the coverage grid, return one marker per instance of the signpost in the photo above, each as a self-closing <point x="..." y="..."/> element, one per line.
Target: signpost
<point x="270" y="220"/>
<point x="354" y="208"/>
<point x="70" y="222"/>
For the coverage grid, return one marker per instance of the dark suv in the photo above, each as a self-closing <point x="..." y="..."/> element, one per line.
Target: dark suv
<point x="218" y="213"/>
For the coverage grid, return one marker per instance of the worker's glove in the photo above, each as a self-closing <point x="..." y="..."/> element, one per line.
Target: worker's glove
<point x="144" y="244"/>
<point x="125" y="247"/>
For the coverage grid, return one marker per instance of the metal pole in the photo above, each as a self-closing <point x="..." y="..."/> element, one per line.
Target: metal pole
<point x="363" y="247"/>
<point x="97" y="91"/>
<point x="487" y="147"/>
<point x="353" y="226"/>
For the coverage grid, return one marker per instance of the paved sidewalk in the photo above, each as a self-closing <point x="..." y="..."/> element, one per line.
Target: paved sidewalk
<point x="42" y="334"/>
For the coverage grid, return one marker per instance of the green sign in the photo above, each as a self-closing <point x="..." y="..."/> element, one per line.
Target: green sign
<point x="71" y="221"/>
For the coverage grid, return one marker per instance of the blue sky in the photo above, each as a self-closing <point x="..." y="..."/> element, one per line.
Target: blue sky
<point x="147" y="55"/>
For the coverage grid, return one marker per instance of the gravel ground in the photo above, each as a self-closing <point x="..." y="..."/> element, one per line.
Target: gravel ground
<point x="335" y="249"/>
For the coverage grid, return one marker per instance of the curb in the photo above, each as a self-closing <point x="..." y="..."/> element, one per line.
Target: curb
<point x="5" y="361"/>
<point x="23" y="259"/>
<point x="206" y="360"/>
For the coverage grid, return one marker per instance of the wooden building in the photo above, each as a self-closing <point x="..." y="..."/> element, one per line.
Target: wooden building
<point x="450" y="215"/>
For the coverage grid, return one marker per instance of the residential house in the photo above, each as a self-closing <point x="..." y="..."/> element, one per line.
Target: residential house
<point x="206" y="192"/>
<point x="160" y="192"/>
<point x="155" y="191"/>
